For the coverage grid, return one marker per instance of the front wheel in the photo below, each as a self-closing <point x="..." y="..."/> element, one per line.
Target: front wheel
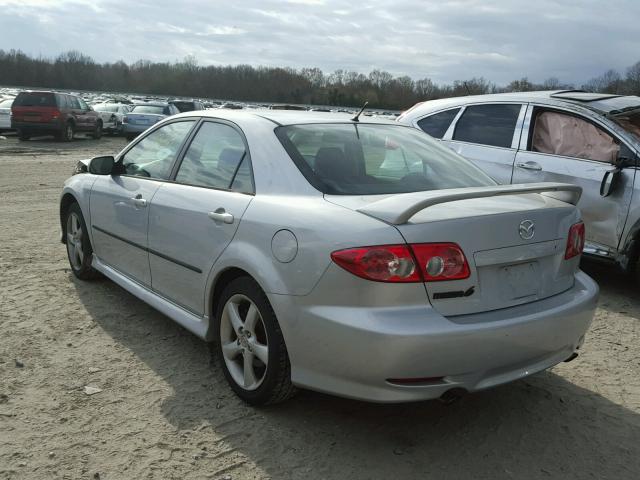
<point x="251" y="346"/>
<point x="79" y="248"/>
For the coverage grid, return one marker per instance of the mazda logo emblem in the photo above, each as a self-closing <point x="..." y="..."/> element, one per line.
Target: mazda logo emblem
<point x="527" y="229"/>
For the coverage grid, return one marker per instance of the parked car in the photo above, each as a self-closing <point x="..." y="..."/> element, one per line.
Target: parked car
<point x="144" y="115"/>
<point x="187" y="105"/>
<point x="5" y="114"/>
<point x="51" y="113"/>
<point x="112" y="115"/>
<point x="280" y="237"/>
<point x="588" y="139"/>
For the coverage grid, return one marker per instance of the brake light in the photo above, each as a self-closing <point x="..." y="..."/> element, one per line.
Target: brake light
<point x="125" y="119"/>
<point x="385" y="263"/>
<point x="422" y="262"/>
<point x="55" y="114"/>
<point x="575" y="241"/>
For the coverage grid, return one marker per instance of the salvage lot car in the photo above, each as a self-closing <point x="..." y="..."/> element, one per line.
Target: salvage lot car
<point x="144" y="115"/>
<point x="51" y="113"/>
<point x="112" y="115"/>
<point x="588" y="139"/>
<point x="5" y="114"/>
<point x="281" y="237"/>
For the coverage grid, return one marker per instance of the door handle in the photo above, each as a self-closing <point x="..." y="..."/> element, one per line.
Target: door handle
<point x="220" y="215"/>
<point x="138" y="201"/>
<point x="529" y="166"/>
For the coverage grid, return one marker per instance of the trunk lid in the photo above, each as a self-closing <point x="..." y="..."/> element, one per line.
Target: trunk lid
<point x="144" y="118"/>
<point x="507" y="268"/>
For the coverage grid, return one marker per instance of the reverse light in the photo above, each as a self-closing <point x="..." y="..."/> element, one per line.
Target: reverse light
<point x="420" y="262"/>
<point x="575" y="241"/>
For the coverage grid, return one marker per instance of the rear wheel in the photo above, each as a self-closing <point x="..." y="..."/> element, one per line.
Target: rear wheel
<point x="67" y="133"/>
<point x="79" y="250"/>
<point x="250" y="345"/>
<point x="23" y="137"/>
<point x="97" y="132"/>
<point x="130" y="137"/>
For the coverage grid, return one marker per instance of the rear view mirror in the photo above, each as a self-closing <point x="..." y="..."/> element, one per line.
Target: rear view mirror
<point x="609" y="182"/>
<point x="102" y="165"/>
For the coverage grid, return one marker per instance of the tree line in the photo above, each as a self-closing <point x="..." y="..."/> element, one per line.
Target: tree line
<point x="75" y="71"/>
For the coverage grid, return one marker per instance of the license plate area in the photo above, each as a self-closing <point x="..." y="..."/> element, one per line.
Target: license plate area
<point x="520" y="280"/>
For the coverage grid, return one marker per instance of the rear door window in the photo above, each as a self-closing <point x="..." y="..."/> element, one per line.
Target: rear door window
<point x="492" y="125"/>
<point x="437" y="124"/>
<point x="556" y="133"/>
<point x="216" y="158"/>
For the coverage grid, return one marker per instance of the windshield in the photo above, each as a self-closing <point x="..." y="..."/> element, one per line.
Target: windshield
<point x="156" y="109"/>
<point x="353" y="159"/>
<point x="629" y="120"/>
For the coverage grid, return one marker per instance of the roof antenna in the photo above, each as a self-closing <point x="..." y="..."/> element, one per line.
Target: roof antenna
<point x="356" y="118"/>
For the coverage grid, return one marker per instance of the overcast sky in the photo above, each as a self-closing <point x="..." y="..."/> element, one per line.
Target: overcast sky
<point x="445" y="40"/>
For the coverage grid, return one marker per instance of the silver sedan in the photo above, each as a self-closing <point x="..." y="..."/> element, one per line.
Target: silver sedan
<point x="350" y="256"/>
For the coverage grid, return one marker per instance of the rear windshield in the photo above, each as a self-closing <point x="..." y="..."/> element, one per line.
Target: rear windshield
<point x="34" y="99"/>
<point x="185" y="106"/>
<point x="365" y="159"/>
<point x="156" y="109"/>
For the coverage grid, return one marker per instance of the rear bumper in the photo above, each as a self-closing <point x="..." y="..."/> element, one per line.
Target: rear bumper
<point x="37" y="127"/>
<point x="352" y="352"/>
<point x="128" y="128"/>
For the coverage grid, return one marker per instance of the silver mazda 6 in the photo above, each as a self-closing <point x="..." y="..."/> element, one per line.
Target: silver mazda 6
<point x="349" y="256"/>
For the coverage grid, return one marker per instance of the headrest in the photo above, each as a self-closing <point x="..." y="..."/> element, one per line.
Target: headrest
<point x="331" y="162"/>
<point x="230" y="158"/>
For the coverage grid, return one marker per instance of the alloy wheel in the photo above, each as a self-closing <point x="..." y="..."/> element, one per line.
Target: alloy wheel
<point x="245" y="346"/>
<point x="74" y="241"/>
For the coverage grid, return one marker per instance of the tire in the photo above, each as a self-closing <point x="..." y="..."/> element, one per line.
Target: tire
<point x="79" y="250"/>
<point x="67" y="133"/>
<point x="23" y="137"/>
<point x="271" y="382"/>
<point x="97" y="133"/>
<point x="129" y="137"/>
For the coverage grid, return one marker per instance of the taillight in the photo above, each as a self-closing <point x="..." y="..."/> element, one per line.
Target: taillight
<point x="385" y="263"/>
<point x="441" y="261"/>
<point x="125" y="119"/>
<point x="575" y="242"/>
<point x="55" y="114"/>
<point x="422" y="262"/>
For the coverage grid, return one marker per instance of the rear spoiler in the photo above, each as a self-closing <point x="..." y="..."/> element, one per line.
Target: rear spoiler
<point x="398" y="209"/>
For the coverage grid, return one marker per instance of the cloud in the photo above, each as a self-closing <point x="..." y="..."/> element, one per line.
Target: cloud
<point x="507" y="39"/>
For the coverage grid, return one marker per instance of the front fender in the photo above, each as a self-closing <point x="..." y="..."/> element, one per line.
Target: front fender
<point x="77" y="188"/>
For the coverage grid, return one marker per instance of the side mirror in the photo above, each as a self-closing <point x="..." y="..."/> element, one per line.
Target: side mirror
<point x="102" y="165"/>
<point x="609" y="181"/>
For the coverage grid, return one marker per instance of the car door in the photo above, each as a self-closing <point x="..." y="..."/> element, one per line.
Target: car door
<point x="86" y="117"/>
<point x="488" y="135"/>
<point x="563" y="146"/>
<point x="193" y="218"/>
<point x="119" y="204"/>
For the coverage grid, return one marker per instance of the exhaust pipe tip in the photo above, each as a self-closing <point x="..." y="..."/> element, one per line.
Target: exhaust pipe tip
<point x="452" y="396"/>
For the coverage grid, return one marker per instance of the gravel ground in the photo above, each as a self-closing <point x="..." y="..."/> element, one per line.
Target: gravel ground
<point x="165" y="412"/>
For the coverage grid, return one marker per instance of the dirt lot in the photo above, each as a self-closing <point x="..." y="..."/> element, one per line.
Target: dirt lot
<point x="165" y="412"/>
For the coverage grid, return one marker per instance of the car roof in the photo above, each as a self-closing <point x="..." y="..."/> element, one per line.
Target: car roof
<point x="288" y="117"/>
<point x="600" y="102"/>
<point x="152" y="104"/>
